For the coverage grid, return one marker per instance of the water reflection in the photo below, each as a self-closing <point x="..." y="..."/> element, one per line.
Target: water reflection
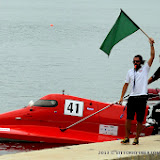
<point x="15" y="147"/>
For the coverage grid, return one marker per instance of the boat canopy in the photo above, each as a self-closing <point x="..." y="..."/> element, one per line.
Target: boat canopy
<point x="46" y="103"/>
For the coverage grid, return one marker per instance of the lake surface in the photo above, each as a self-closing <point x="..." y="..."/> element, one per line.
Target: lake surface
<point x="37" y="58"/>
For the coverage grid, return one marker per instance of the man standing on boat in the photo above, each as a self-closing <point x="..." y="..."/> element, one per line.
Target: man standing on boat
<point x="155" y="76"/>
<point x="138" y="79"/>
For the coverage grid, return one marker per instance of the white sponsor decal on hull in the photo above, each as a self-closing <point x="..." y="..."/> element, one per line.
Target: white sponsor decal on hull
<point x="108" y="129"/>
<point x="5" y="129"/>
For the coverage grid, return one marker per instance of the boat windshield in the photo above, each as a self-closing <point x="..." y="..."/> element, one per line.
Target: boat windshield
<point x="46" y="103"/>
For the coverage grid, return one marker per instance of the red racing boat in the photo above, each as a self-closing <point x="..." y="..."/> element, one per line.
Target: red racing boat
<point x="47" y="120"/>
<point x="154" y="94"/>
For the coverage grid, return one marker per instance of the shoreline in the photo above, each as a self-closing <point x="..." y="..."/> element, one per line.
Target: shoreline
<point x="148" y="148"/>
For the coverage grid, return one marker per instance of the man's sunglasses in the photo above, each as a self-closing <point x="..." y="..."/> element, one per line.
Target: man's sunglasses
<point x="136" y="61"/>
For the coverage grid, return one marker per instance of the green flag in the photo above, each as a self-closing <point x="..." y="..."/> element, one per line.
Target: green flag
<point x="122" y="28"/>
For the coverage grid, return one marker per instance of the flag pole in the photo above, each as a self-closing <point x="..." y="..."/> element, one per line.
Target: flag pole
<point x="136" y="24"/>
<point x="144" y="33"/>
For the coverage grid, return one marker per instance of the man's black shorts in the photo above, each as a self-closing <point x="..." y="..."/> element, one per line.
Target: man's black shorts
<point x="136" y="104"/>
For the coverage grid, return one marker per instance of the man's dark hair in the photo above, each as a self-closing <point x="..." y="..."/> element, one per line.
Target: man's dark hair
<point x="140" y="58"/>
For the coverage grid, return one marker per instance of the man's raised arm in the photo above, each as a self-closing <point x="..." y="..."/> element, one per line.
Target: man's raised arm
<point x="150" y="61"/>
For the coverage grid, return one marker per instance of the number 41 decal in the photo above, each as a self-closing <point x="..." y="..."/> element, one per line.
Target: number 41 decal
<point x="73" y="108"/>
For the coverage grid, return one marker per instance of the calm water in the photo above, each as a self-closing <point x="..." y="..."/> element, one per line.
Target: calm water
<point x="38" y="59"/>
